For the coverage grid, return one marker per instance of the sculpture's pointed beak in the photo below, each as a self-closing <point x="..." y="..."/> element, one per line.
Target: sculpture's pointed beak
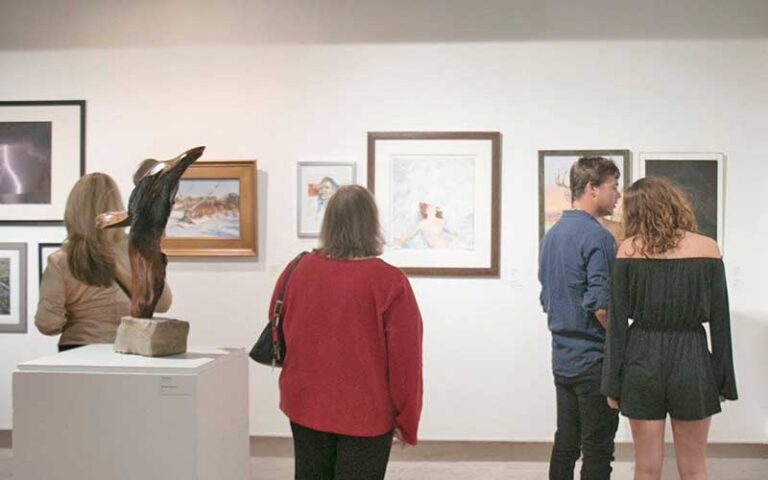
<point x="185" y="158"/>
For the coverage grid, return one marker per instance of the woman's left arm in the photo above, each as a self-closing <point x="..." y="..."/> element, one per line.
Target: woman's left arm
<point x="720" y="327"/>
<point x="404" y="332"/>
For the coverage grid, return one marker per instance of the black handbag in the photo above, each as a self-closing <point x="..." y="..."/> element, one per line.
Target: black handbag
<point x="269" y="349"/>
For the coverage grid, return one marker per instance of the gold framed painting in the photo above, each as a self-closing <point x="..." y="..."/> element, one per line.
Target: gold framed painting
<point x="214" y="213"/>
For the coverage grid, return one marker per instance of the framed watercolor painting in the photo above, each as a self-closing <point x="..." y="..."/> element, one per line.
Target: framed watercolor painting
<point x="439" y="198"/>
<point x="317" y="182"/>
<point x="214" y="213"/>
<point x="554" y="184"/>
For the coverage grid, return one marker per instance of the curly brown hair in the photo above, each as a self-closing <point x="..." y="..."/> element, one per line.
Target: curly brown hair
<point x="657" y="214"/>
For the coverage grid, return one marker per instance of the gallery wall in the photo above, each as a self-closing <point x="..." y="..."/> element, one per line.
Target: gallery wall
<point x="486" y="346"/>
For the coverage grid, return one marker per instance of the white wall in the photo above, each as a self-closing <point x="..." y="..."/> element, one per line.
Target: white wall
<point x="486" y="353"/>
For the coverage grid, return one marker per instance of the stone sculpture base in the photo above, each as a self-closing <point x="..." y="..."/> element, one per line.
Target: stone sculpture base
<point x="152" y="337"/>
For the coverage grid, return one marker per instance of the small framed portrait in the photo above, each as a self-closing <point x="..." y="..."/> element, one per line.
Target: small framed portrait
<point x="317" y="182"/>
<point x="439" y="198"/>
<point x="13" y="288"/>
<point x="214" y="213"/>
<point x="41" y="157"/>
<point x="702" y="176"/>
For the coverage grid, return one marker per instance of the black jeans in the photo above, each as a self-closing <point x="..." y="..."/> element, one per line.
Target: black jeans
<point x="585" y="426"/>
<point x="330" y="456"/>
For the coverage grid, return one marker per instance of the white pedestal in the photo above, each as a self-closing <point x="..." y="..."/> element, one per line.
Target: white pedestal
<point x="92" y="414"/>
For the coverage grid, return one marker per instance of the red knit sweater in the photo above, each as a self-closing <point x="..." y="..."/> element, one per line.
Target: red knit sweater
<point x="353" y="348"/>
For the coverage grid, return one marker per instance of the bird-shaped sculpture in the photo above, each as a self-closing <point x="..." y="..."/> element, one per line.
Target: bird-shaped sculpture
<point x="149" y="206"/>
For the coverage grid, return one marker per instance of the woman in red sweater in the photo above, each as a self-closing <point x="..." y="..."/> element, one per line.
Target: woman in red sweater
<point x="351" y="377"/>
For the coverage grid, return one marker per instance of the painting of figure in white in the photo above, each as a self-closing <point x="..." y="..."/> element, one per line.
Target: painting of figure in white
<point x="318" y="181"/>
<point x="208" y="208"/>
<point x="432" y="202"/>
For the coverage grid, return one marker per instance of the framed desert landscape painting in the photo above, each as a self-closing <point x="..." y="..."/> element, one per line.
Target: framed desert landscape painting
<point x="554" y="182"/>
<point x="42" y="155"/>
<point x="214" y="213"/>
<point x="439" y="198"/>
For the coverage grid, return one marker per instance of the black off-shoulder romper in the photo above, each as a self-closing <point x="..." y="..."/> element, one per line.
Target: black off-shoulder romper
<point x="661" y="363"/>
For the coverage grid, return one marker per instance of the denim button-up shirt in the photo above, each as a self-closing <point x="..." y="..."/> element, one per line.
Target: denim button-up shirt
<point x="575" y="261"/>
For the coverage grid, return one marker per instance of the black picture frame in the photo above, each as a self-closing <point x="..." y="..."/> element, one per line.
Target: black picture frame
<point x="60" y="136"/>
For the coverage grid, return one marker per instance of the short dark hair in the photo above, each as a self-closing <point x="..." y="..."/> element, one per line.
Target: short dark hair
<point x="351" y="225"/>
<point x="591" y="171"/>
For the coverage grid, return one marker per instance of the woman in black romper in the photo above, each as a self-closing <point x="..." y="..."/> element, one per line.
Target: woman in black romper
<point x="669" y="280"/>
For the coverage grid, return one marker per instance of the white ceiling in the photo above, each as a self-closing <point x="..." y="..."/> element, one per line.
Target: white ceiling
<point x="47" y="24"/>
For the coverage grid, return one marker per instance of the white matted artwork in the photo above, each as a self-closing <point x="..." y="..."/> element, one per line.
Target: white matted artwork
<point x="13" y="288"/>
<point x="42" y="155"/>
<point x="702" y="176"/>
<point x="317" y="182"/>
<point x="438" y="197"/>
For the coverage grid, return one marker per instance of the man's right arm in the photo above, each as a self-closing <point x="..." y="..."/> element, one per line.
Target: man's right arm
<point x="599" y="254"/>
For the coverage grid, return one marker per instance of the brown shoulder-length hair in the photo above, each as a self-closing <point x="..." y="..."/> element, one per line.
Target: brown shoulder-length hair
<point x="657" y="214"/>
<point x="90" y="250"/>
<point x="350" y="226"/>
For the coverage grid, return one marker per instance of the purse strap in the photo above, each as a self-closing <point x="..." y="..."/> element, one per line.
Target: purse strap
<point x="122" y="286"/>
<point x="278" y="308"/>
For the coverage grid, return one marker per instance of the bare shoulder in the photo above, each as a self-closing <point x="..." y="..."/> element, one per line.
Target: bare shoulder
<point x="702" y="246"/>
<point x="628" y="248"/>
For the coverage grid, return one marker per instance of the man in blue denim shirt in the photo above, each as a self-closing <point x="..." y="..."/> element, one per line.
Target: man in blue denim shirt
<point x="576" y="259"/>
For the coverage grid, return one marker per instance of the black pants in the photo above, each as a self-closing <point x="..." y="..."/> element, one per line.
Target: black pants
<point x="329" y="456"/>
<point x="585" y="426"/>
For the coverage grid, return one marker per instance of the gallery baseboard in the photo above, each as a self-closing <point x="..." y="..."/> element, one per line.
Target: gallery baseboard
<point x="479" y="451"/>
<point x="453" y="451"/>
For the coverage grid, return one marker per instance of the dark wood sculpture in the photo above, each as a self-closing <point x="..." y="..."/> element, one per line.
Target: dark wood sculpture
<point x="149" y="207"/>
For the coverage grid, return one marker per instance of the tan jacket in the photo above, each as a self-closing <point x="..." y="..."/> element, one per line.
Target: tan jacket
<point x="82" y="313"/>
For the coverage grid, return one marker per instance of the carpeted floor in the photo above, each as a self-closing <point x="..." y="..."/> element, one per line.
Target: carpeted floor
<point x="281" y="468"/>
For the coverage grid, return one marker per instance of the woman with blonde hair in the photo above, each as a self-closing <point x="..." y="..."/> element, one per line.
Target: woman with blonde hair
<point x="84" y="290"/>
<point x="352" y="371"/>
<point x="669" y="280"/>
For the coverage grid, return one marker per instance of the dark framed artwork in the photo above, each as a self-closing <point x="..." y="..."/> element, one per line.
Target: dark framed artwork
<point x="702" y="176"/>
<point x="554" y="184"/>
<point x="42" y="155"/>
<point x="43" y="250"/>
<point x="317" y="182"/>
<point x="13" y="287"/>
<point x="439" y="198"/>
<point x="214" y="213"/>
